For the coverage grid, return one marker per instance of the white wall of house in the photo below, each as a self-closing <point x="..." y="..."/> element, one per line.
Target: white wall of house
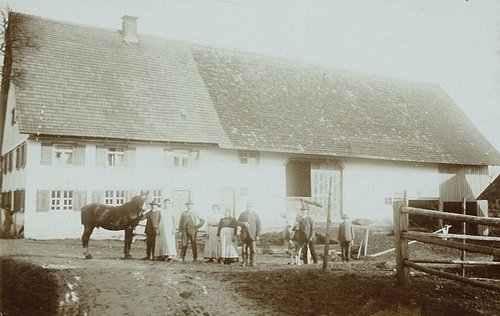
<point x="367" y="191"/>
<point x="371" y="185"/>
<point x="11" y="137"/>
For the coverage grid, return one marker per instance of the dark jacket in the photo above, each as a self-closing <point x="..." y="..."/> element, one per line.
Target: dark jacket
<point x="190" y="222"/>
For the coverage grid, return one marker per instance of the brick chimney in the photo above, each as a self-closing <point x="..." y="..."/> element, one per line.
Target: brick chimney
<point x="129" y="29"/>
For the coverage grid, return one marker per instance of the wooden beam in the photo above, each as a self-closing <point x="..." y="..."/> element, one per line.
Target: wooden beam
<point x="490" y="221"/>
<point x="400" y="226"/>
<point x="458" y="236"/>
<point x="469" y="262"/>
<point x="451" y="276"/>
<point x="448" y="243"/>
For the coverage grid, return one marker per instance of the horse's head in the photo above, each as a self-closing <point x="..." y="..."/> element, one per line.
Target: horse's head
<point x="141" y="200"/>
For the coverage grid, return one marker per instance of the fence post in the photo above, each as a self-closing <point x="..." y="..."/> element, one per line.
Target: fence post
<point x="400" y="225"/>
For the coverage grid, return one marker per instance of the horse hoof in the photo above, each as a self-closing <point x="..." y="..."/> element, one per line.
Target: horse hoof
<point x="89" y="256"/>
<point x="127" y="257"/>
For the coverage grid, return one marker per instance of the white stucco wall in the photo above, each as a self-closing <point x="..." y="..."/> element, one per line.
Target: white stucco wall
<point x="367" y="183"/>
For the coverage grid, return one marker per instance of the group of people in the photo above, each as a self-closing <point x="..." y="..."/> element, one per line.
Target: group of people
<point x="300" y="237"/>
<point x="221" y="234"/>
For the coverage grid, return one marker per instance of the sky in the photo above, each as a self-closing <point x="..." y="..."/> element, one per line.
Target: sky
<point x="453" y="43"/>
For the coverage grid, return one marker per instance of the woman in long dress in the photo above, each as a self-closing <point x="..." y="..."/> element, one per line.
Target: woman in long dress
<point x="227" y="233"/>
<point x="166" y="245"/>
<point x="212" y="251"/>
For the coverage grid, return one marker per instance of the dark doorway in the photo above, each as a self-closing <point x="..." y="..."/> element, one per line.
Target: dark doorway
<point x="298" y="178"/>
<point x="457" y="226"/>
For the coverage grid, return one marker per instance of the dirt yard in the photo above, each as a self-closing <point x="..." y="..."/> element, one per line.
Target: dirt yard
<point x="52" y="278"/>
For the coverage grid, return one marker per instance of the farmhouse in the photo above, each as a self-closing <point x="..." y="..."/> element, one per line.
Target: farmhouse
<point x="95" y="115"/>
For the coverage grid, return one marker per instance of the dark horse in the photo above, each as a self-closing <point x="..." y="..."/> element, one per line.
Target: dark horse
<point x="123" y="217"/>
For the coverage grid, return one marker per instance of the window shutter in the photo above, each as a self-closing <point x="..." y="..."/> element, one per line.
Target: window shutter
<point x="97" y="197"/>
<point x="194" y="158"/>
<point x="18" y="157"/>
<point x="100" y="156"/>
<point x="23" y="196"/>
<point x="42" y="201"/>
<point x="168" y="158"/>
<point x="11" y="153"/>
<point x="24" y="153"/>
<point x="130" y="158"/>
<point x="46" y="154"/>
<point x="80" y="155"/>
<point x="16" y="205"/>
<point x="79" y="200"/>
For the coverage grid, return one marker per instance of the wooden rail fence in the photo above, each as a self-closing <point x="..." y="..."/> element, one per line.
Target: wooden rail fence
<point x="403" y="235"/>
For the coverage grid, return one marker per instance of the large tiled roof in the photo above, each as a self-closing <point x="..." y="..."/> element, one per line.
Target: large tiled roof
<point x="91" y="83"/>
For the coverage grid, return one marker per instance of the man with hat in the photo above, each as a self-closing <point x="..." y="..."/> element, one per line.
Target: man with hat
<point x="151" y="229"/>
<point x="346" y="236"/>
<point x="306" y="226"/>
<point x="250" y="225"/>
<point x="189" y="224"/>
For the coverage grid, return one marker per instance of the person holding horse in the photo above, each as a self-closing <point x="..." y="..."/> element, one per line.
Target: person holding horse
<point x="250" y="225"/>
<point x="306" y="227"/>
<point x="346" y="236"/>
<point x="189" y="224"/>
<point x="151" y="229"/>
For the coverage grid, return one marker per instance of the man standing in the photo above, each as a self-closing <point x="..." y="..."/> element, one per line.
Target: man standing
<point x="346" y="236"/>
<point x="250" y="225"/>
<point x="306" y="225"/>
<point x="189" y="224"/>
<point x="151" y="229"/>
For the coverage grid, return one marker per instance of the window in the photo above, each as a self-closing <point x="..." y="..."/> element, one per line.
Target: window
<point x="63" y="154"/>
<point x="18" y="201"/>
<point x="116" y="157"/>
<point x="114" y="198"/>
<point x="248" y="158"/>
<point x="181" y="158"/>
<point x="13" y="116"/>
<point x="7" y="199"/>
<point x="388" y="200"/>
<point x="21" y="156"/>
<point x="156" y="195"/>
<point x="61" y="200"/>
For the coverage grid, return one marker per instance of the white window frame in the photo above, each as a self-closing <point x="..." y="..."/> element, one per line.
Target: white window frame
<point x="113" y="154"/>
<point x="114" y="197"/>
<point x="248" y="158"/>
<point x="61" y="200"/>
<point x="62" y="149"/>
<point x="157" y="196"/>
<point x="185" y="158"/>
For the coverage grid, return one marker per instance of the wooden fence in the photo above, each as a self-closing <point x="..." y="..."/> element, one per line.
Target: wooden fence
<point x="403" y="235"/>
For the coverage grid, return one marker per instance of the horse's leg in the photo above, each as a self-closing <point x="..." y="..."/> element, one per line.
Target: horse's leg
<point x="128" y="243"/>
<point x="87" y="231"/>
